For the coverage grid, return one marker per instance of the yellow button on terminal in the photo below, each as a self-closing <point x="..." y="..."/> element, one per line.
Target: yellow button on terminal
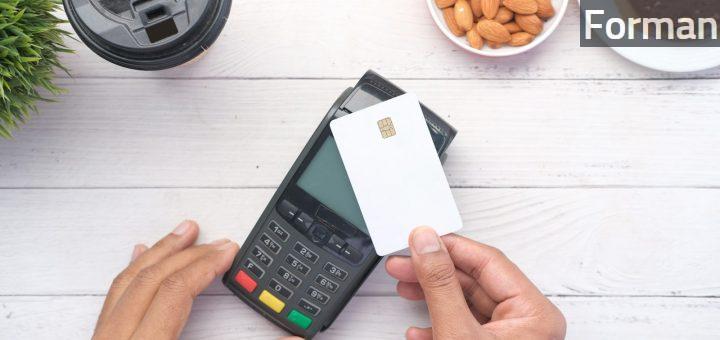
<point x="271" y="301"/>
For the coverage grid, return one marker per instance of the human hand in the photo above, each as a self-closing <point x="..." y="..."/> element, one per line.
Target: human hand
<point x="152" y="297"/>
<point x="472" y="291"/>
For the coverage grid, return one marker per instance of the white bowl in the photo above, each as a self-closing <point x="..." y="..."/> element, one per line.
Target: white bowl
<point x="550" y="26"/>
<point x="672" y="59"/>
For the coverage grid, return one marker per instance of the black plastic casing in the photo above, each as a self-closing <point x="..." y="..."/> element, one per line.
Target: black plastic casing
<point x="138" y="34"/>
<point x="370" y="90"/>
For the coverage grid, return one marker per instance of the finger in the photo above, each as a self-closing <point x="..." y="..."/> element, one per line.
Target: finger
<point x="410" y="290"/>
<point x="169" y="310"/>
<point x="137" y="251"/>
<point x="401" y="268"/>
<point x="105" y="312"/>
<point x="495" y="273"/>
<point x="139" y="294"/>
<point x="482" y="319"/>
<point x="183" y="236"/>
<point x="480" y="302"/>
<point x="450" y="315"/>
<point x="416" y="333"/>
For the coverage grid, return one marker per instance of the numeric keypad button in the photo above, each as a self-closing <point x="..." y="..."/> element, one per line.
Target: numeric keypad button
<point x="260" y="255"/>
<point x="278" y="231"/>
<point x="297" y="264"/>
<point x="269" y="243"/>
<point x="326" y="283"/>
<point x="289" y="277"/>
<point x="279" y="289"/>
<point x="335" y="271"/>
<point x="318" y="295"/>
<point x="305" y="252"/>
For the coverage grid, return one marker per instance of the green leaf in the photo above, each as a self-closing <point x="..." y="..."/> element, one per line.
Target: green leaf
<point x="8" y="41"/>
<point x="30" y="45"/>
<point x="18" y="15"/>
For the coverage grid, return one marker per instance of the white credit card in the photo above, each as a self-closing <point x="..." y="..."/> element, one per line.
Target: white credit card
<point x="395" y="172"/>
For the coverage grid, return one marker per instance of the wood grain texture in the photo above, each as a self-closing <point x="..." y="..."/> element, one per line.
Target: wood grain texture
<point x="246" y="133"/>
<point x="225" y="317"/>
<point x="341" y="39"/>
<point x="598" y="177"/>
<point x="623" y="242"/>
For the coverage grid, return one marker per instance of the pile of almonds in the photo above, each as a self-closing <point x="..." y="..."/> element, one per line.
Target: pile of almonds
<point x="512" y="22"/>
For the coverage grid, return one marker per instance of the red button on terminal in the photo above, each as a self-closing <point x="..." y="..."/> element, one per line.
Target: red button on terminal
<point x="245" y="281"/>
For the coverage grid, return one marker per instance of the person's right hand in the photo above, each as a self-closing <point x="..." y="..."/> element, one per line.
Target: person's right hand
<point x="473" y="291"/>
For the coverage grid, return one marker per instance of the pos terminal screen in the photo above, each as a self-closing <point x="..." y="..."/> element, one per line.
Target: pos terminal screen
<point x="326" y="180"/>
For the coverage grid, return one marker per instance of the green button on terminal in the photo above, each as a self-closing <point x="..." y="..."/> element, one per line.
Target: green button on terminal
<point x="299" y="319"/>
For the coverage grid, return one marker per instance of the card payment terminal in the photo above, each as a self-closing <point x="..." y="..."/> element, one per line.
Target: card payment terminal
<point x="309" y="251"/>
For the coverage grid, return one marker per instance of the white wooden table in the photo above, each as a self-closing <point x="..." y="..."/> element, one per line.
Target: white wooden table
<point x="600" y="178"/>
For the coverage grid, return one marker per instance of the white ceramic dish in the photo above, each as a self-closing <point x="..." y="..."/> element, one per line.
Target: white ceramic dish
<point x="550" y="26"/>
<point x="672" y="59"/>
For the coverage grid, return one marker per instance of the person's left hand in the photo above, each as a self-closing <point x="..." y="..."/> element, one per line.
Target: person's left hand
<point x="152" y="297"/>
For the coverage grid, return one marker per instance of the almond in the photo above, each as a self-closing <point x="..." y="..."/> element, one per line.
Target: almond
<point x="512" y="27"/>
<point x="475" y="40"/>
<point x="490" y="8"/>
<point x="504" y="15"/>
<point x="545" y="9"/>
<point x="476" y="6"/>
<point x="492" y="31"/>
<point x="521" y="39"/>
<point x="521" y="6"/>
<point x="449" y="15"/>
<point x="444" y="3"/>
<point x="529" y="23"/>
<point x="494" y="45"/>
<point x="463" y="15"/>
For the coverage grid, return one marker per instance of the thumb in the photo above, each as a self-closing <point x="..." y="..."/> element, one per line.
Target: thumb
<point x="450" y="315"/>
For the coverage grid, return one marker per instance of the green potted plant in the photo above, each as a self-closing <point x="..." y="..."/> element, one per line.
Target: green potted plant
<point x="30" y="42"/>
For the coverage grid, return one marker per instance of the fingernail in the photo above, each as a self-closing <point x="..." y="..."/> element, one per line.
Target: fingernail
<point x="137" y="250"/>
<point x="425" y="240"/>
<point x="225" y="246"/>
<point x="182" y="228"/>
<point x="220" y="241"/>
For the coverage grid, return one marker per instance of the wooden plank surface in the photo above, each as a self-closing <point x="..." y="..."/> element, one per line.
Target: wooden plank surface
<point x="620" y="242"/>
<point x="225" y="317"/>
<point x="246" y="133"/>
<point x="598" y="177"/>
<point x="341" y="39"/>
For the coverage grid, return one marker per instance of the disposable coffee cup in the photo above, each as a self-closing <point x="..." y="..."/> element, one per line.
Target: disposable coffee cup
<point x="148" y="34"/>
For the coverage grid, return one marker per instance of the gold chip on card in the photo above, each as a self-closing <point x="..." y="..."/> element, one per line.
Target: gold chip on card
<point x="387" y="129"/>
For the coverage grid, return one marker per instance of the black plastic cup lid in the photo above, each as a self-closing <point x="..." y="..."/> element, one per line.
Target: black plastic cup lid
<point x="148" y="34"/>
